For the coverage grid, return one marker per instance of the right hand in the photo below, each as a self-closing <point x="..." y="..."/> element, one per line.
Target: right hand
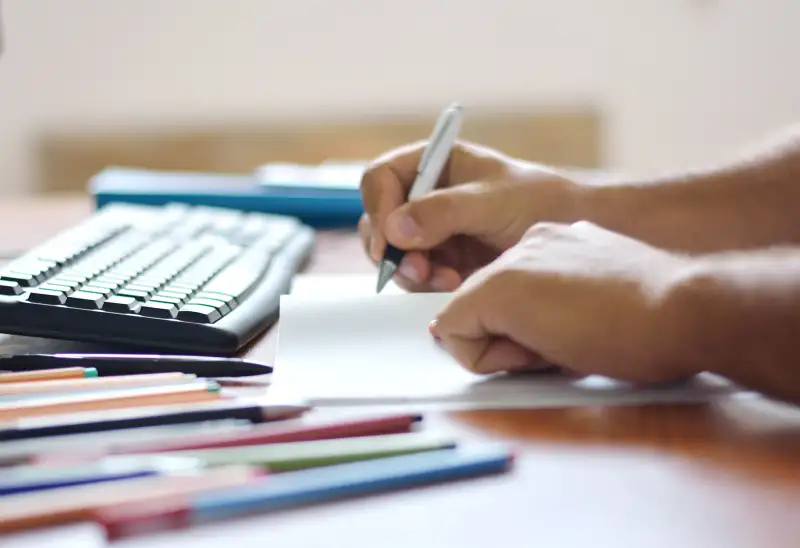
<point x="483" y="204"/>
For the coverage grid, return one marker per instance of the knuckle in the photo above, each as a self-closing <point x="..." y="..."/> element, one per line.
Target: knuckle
<point x="371" y="182"/>
<point x="583" y="224"/>
<point x="441" y="208"/>
<point x="364" y="228"/>
<point x="504" y="279"/>
<point x="543" y="229"/>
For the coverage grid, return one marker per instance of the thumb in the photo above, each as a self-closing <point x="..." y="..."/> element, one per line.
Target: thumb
<point x="428" y="221"/>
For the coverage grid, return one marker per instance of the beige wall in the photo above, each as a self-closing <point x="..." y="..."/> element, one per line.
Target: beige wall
<point x="679" y="80"/>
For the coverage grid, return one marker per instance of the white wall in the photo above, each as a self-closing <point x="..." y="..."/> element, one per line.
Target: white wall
<point x="681" y="80"/>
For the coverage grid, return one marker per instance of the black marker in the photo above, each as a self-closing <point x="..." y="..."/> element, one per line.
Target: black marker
<point x="134" y="364"/>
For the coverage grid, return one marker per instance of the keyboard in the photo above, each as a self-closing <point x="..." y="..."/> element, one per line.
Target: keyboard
<point x="174" y="277"/>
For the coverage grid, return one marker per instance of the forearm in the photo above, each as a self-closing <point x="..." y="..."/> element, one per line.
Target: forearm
<point x="753" y="201"/>
<point x="737" y="314"/>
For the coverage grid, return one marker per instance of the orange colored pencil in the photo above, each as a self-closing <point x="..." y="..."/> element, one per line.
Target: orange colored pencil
<point x="112" y="399"/>
<point x="49" y="374"/>
<point x="71" y="504"/>
<point x="92" y="383"/>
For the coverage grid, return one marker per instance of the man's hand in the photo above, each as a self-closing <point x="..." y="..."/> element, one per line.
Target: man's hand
<point x="483" y="204"/>
<point x="578" y="296"/>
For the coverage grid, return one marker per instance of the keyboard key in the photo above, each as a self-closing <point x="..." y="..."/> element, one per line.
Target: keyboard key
<point x="148" y="287"/>
<point x="57" y="287"/>
<point x="135" y="293"/>
<point x="171" y="300"/>
<point x="143" y="259"/>
<point x="183" y="257"/>
<point x="199" y="313"/>
<point x="157" y="309"/>
<point x="105" y="284"/>
<point x="119" y="303"/>
<point x="58" y="281"/>
<point x="178" y="287"/>
<point x="207" y="266"/>
<point x="218" y="297"/>
<point x="112" y="278"/>
<point x="149" y="280"/>
<point x="66" y="276"/>
<point x="237" y="279"/>
<point x="104" y="291"/>
<point x="174" y="294"/>
<point x="35" y="267"/>
<point x="71" y="245"/>
<point x="9" y="287"/>
<point x="221" y="307"/>
<point x="25" y="280"/>
<point x="46" y="296"/>
<point x="83" y="299"/>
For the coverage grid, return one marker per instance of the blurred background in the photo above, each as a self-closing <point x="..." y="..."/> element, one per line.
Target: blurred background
<point x="225" y="85"/>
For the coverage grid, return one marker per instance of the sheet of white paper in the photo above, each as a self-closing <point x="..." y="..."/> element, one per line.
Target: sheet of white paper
<point x="336" y="286"/>
<point x="376" y="350"/>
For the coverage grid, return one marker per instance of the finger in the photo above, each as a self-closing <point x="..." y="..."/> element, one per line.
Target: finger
<point x="384" y="187"/>
<point x="430" y="220"/>
<point x="505" y="355"/>
<point x="366" y="234"/>
<point x="517" y="358"/>
<point x="466" y="351"/>
<point x="415" y="267"/>
<point x="441" y="279"/>
<point x="486" y="354"/>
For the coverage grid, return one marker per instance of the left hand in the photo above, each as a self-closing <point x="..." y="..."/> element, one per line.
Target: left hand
<point x="577" y="296"/>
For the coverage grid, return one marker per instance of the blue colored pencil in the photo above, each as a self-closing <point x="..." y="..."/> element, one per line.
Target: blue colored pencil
<point x="308" y="486"/>
<point x="28" y="479"/>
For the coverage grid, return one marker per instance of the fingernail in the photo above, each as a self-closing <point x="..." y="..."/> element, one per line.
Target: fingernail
<point x="432" y="329"/>
<point x="408" y="271"/>
<point x="439" y="283"/>
<point x="375" y="249"/>
<point x="407" y="228"/>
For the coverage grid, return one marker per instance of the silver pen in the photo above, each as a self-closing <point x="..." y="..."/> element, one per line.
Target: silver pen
<point x="434" y="157"/>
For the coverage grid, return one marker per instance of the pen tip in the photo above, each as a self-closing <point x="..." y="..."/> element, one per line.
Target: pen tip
<point x="385" y="273"/>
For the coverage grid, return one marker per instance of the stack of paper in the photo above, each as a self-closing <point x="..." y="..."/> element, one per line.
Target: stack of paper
<point x="376" y="350"/>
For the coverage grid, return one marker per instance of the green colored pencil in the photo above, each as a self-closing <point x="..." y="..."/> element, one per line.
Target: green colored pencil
<point x="284" y="457"/>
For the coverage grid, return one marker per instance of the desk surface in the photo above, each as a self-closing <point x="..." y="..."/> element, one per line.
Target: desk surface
<point x="722" y="475"/>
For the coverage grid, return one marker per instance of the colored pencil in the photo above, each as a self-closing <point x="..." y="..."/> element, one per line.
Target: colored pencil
<point x="91" y="383"/>
<point x="304" y="487"/>
<point x="74" y="447"/>
<point x="132" y="397"/>
<point x="117" y="419"/>
<point x="284" y="457"/>
<point x="26" y="479"/>
<point x="77" y="503"/>
<point x="277" y="432"/>
<point x="49" y="374"/>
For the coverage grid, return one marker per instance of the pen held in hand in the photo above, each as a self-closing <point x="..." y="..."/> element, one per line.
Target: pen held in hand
<point x="432" y="162"/>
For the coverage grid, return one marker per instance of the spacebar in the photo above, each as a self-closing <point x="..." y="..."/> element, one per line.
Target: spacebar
<point x="238" y="278"/>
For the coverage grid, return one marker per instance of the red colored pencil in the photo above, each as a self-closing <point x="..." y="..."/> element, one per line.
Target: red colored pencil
<point x="283" y="432"/>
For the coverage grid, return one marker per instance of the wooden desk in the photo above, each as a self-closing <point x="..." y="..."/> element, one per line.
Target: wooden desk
<point x="725" y="475"/>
